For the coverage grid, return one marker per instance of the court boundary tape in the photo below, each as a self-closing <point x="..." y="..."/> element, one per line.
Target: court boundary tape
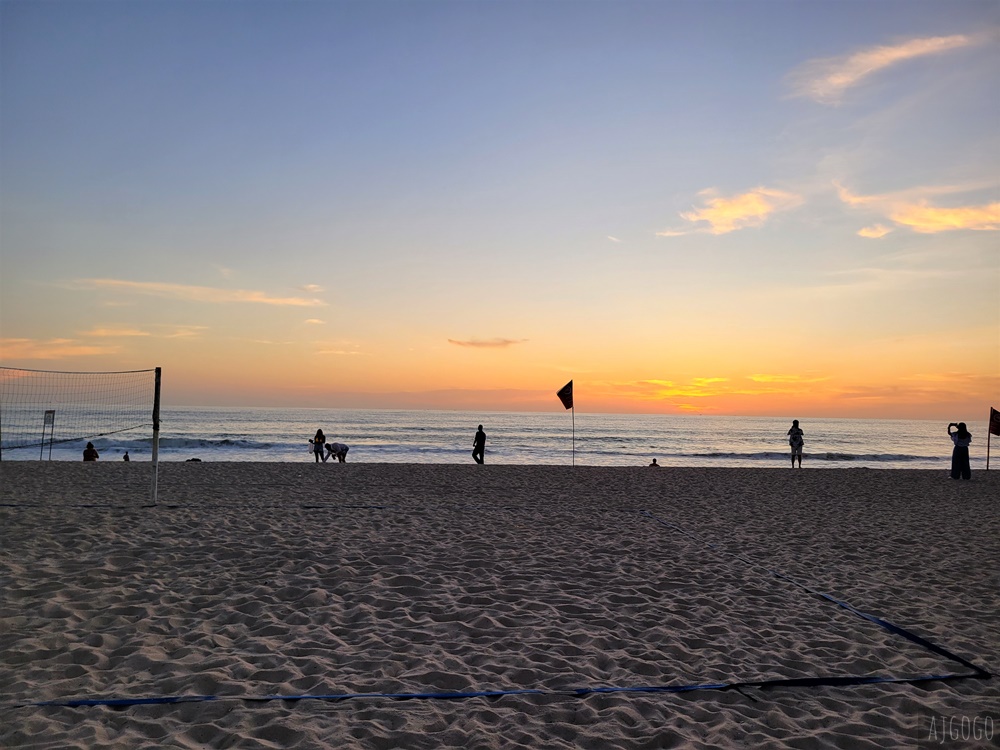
<point x="977" y="671"/>
<point x="582" y="692"/>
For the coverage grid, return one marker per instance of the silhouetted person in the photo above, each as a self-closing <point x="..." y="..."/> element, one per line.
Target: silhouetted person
<point x="125" y="457"/>
<point x="337" y="449"/>
<point x="655" y="464"/>
<point x="479" y="446"/>
<point x="318" y="442"/>
<point x="962" y="438"/>
<point x="90" y="453"/>
<point x="795" y="440"/>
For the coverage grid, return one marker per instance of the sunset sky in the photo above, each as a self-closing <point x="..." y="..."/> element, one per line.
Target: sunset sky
<point x="772" y="208"/>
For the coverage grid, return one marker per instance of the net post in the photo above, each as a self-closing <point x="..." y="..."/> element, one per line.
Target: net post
<point x="156" y="433"/>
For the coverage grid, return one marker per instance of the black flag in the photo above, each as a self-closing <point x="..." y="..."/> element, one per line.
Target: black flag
<point x="565" y="395"/>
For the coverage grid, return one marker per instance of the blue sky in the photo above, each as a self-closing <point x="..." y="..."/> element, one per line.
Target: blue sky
<point x="503" y="193"/>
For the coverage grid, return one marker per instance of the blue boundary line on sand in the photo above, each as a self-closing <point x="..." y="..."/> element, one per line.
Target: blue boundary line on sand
<point x="835" y="681"/>
<point x="173" y="506"/>
<point x="493" y="694"/>
<point x="978" y="672"/>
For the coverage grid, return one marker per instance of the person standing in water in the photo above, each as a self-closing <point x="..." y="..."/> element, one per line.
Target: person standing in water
<point x="795" y="440"/>
<point x="319" y="441"/>
<point x="479" y="446"/>
<point x="962" y="439"/>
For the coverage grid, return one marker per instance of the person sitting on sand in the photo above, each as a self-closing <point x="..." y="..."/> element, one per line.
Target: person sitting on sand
<point x="962" y="439"/>
<point x="317" y="443"/>
<point x="795" y="440"/>
<point x="90" y="453"/>
<point x="125" y="457"/>
<point x="337" y="449"/>
<point x="655" y="464"/>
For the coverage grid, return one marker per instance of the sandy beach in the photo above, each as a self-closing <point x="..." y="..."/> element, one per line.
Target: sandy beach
<point x="536" y="585"/>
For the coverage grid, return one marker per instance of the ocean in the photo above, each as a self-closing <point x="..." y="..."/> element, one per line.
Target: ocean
<point x="377" y="436"/>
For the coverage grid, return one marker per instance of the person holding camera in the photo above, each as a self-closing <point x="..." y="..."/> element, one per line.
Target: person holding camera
<point x="962" y="438"/>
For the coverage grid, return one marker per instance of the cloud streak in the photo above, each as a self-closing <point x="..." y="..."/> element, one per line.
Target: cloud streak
<point x="189" y="293"/>
<point x="724" y="214"/>
<point x="874" y="232"/>
<point x="115" y="332"/>
<point x="497" y="343"/>
<point x="51" y="349"/>
<point x="911" y="210"/>
<point x="825" y="80"/>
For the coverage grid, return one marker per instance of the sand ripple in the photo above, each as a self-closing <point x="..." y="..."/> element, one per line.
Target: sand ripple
<point x="258" y="580"/>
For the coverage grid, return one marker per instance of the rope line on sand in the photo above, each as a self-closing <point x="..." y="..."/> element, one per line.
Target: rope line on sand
<point x="581" y="692"/>
<point x="169" y="506"/>
<point x="978" y="672"/>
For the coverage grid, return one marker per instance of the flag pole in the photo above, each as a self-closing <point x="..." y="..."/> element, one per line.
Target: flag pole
<point x="992" y="428"/>
<point x="565" y="394"/>
<point x="574" y="441"/>
<point x="989" y="433"/>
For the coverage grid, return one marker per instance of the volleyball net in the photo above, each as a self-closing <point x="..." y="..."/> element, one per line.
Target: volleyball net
<point x="44" y="410"/>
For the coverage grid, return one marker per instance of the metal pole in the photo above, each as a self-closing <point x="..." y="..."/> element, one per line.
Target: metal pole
<point x="156" y="432"/>
<point x="52" y="435"/>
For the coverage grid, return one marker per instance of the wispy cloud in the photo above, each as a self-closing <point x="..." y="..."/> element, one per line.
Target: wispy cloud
<point x="115" y="332"/>
<point x="197" y="293"/>
<point x="185" y="332"/>
<point x="874" y="232"/>
<point x="668" y="390"/>
<point x="825" y="80"/>
<point x="785" y="379"/>
<point x="338" y="348"/>
<point x="932" y="219"/>
<point x="724" y="214"/>
<point x="872" y="281"/>
<point x="911" y="209"/>
<point x="311" y="288"/>
<point x="51" y="349"/>
<point x="694" y="393"/>
<point x="613" y="239"/>
<point x="487" y="343"/>
<point x="926" y="389"/>
<point x="315" y="322"/>
<point x="171" y="332"/>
